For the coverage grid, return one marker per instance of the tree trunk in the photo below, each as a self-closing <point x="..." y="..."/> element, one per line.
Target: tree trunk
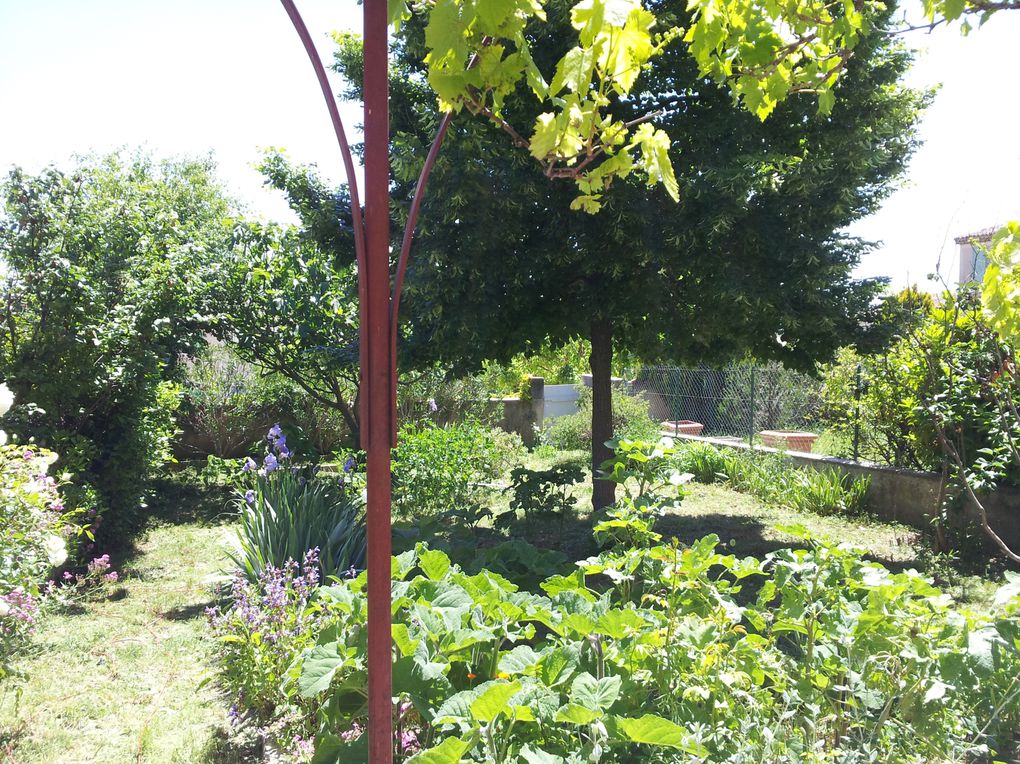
<point x="603" y="491"/>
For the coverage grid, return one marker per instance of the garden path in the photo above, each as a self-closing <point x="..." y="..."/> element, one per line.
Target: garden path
<point x="119" y="679"/>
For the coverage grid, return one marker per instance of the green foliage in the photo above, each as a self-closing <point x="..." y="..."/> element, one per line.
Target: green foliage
<point x="770" y="478"/>
<point x="766" y="52"/>
<point x="631" y="421"/>
<point x="480" y="53"/>
<point x="433" y="394"/>
<point x="229" y="404"/>
<point x="561" y="365"/>
<point x="946" y="372"/>
<point x="1000" y="293"/>
<point x="436" y="469"/>
<point x="298" y="285"/>
<point x="290" y="511"/>
<point x="541" y="494"/>
<point x="105" y="288"/>
<point x="808" y="655"/>
<point x="705" y="462"/>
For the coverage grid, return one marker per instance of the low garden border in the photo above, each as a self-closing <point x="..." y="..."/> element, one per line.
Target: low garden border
<point x="896" y="494"/>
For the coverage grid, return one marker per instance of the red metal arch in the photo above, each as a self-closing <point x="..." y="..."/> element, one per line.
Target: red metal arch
<point x="379" y="308"/>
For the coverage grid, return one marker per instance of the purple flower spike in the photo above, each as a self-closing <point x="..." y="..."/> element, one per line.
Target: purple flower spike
<point x="270" y="463"/>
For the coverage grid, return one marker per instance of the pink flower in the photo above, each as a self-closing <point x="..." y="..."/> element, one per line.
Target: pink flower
<point x="111" y="577"/>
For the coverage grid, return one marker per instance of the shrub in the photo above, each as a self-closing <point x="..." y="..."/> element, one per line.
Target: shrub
<point x="431" y="395"/>
<point x="705" y="462"/>
<point x="631" y="421"/>
<point x="541" y="494"/>
<point x="440" y="468"/>
<point x="103" y="292"/>
<point x="229" y="403"/>
<point x="290" y="511"/>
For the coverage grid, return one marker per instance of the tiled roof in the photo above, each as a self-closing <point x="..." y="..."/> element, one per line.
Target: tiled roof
<point x="982" y="236"/>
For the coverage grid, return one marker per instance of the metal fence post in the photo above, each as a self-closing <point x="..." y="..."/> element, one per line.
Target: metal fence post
<point x="857" y="414"/>
<point x="750" y="414"/>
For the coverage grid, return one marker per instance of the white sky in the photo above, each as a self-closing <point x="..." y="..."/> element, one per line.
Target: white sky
<point x="230" y="76"/>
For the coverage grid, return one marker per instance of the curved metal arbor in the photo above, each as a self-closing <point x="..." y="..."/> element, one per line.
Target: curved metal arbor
<point x="379" y="306"/>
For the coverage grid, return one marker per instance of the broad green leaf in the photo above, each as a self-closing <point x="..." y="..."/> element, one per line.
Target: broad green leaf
<point x="434" y="563"/>
<point x="518" y="660"/>
<point x="594" y="693"/>
<point x="494" y="700"/>
<point x="318" y="668"/>
<point x="450" y="751"/>
<point x="575" y="714"/>
<point x="654" y="730"/>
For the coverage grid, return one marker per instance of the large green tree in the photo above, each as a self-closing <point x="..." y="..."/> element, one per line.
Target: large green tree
<point x="102" y="291"/>
<point x="287" y="295"/>
<point x="751" y="260"/>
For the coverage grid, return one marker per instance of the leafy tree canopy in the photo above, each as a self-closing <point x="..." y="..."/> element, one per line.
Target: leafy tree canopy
<point x="752" y="259"/>
<point x="287" y="296"/>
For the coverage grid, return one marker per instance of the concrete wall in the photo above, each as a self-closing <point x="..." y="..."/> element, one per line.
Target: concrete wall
<point x="559" y="400"/>
<point x="523" y="416"/>
<point x="904" y="496"/>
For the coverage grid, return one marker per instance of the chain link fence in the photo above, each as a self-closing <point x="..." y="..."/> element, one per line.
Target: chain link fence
<point x="736" y="401"/>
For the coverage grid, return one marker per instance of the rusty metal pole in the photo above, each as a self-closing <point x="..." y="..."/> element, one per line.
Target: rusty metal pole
<point x="378" y="380"/>
<point x="379" y="311"/>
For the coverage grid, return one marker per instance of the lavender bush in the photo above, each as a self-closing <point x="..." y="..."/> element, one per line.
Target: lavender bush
<point x="268" y="624"/>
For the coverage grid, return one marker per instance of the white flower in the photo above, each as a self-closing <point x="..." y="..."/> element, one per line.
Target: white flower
<point x="3" y="438"/>
<point x="56" y="550"/>
<point x="6" y="399"/>
<point x="4" y="608"/>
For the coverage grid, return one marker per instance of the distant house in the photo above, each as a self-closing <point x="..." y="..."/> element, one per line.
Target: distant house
<point x="973" y="259"/>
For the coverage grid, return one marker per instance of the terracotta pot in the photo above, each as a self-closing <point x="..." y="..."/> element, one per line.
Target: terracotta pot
<point x="788" y="440"/>
<point x="682" y="427"/>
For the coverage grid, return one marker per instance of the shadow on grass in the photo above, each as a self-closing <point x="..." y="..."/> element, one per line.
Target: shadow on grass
<point x="189" y="612"/>
<point x="172" y="500"/>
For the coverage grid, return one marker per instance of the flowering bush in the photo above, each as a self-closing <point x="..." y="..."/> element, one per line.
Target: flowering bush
<point x="34" y="530"/>
<point x="268" y="624"/>
<point x="286" y="510"/>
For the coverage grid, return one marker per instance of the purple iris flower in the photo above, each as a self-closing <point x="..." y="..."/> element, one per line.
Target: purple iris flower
<point x="284" y="452"/>
<point x="432" y="405"/>
<point x="270" y="463"/>
<point x="349" y="464"/>
<point x="249" y="465"/>
<point x="249" y="496"/>
<point x="274" y="432"/>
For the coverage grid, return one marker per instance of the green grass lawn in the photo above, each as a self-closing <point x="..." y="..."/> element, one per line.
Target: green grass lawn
<point x="119" y="680"/>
